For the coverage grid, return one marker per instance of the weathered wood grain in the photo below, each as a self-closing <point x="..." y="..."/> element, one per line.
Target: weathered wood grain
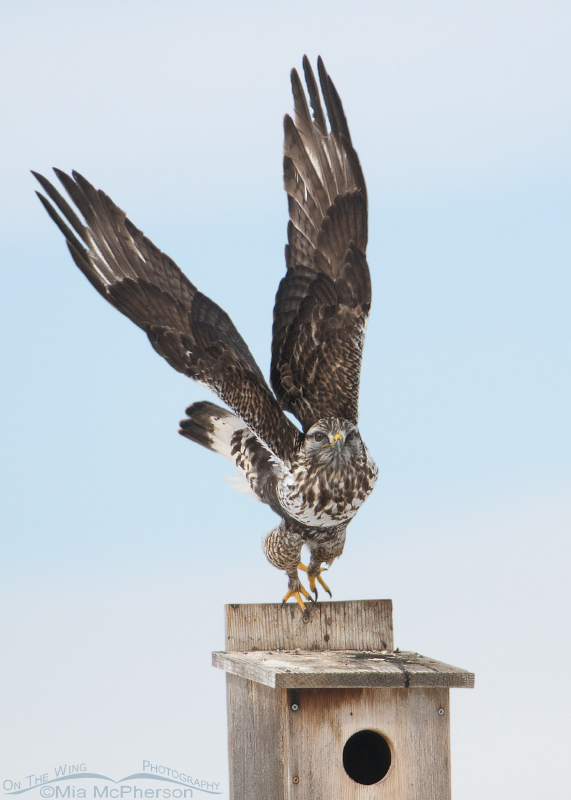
<point x="255" y="740"/>
<point x="342" y="669"/>
<point x="409" y="719"/>
<point x="271" y="744"/>
<point x="347" y="625"/>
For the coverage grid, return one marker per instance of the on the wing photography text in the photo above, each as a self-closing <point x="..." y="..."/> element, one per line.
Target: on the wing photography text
<point x="48" y="784"/>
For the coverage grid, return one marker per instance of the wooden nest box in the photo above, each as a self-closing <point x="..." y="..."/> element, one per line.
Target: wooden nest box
<point x="323" y="708"/>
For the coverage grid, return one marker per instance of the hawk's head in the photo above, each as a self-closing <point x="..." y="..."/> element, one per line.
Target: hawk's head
<point x="332" y="442"/>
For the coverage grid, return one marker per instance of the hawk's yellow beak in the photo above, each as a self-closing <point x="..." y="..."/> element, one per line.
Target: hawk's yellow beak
<point x="336" y="437"/>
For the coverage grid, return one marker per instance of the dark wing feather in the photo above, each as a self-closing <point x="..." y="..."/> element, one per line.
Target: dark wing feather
<point x="322" y="304"/>
<point x="184" y="326"/>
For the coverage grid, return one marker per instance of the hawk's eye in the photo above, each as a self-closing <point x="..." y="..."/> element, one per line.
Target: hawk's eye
<point x="318" y="436"/>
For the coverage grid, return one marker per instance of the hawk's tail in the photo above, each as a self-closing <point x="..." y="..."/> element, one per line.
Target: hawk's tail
<point x="225" y="433"/>
<point x="212" y="427"/>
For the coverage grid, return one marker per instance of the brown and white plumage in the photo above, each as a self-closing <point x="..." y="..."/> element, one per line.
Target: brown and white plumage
<point x="315" y="480"/>
<point x="322" y="304"/>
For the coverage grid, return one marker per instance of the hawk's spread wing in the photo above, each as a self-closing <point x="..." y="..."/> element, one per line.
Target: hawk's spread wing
<point x="323" y="303"/>
<point x="184" y="326"/>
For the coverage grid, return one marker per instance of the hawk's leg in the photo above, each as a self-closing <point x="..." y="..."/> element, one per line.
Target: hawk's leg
<point x="325" y="546"/>
<point x="283" y="549"/>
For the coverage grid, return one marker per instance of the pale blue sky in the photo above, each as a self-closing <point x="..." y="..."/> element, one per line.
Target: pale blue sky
<point x="120" y="542"/>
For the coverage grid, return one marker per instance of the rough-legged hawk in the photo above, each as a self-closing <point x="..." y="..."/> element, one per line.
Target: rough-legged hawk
<point x="314" y="480"/>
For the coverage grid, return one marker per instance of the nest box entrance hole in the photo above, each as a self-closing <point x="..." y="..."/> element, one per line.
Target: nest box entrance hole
<point x="367" y="757"/>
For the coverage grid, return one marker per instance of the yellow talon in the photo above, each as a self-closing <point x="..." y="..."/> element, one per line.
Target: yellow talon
<point x="297" y="596"/>
<point x="313" y="578"/>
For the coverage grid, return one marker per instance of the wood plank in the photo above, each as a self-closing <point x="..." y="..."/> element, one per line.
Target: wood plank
<point x="346" y="625"/>
<point x="414" y="722"/>
<point x="255" y="740"/>
<point x="342" y="669"/>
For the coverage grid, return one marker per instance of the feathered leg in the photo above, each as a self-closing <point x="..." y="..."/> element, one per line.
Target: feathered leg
<point x="325" y="547"/>
<point x="283" y="549"/>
